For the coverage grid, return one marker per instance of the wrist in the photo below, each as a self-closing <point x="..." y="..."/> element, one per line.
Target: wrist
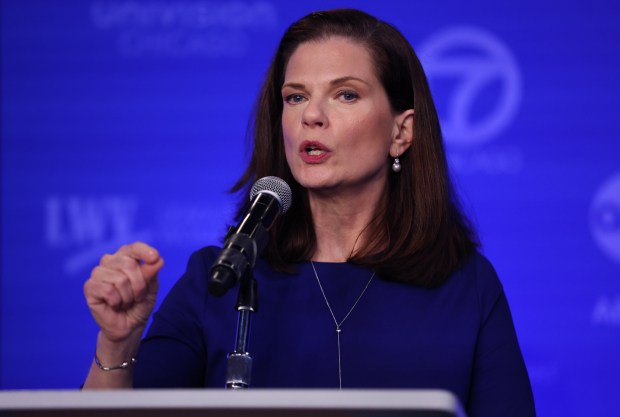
<point x="112" y="353"/>
<point x="121" y="366"/>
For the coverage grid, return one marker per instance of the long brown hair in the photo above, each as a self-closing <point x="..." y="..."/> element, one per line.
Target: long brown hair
<point x="419" y="234"/>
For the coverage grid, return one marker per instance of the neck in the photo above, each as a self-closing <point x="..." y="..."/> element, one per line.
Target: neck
<point x="340" y="222"/>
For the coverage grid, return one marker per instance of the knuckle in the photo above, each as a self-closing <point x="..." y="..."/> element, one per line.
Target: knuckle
<point x="87" y="287"/>
<point x="129" y="264"/>
<point x="105" y="259"/>
<point x="109" y="292"/>
<point x="96" y="272"/>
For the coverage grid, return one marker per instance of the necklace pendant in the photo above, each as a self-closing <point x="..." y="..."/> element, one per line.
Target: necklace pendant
<point x="338" y="329"/>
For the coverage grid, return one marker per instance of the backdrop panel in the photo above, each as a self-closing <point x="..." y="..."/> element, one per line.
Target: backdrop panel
<point x="125" y="120"/>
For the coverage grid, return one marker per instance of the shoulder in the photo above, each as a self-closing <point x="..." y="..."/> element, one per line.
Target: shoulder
<point x="203" y="258"/>
<point x="193" y="282"/>
<point x="479" y="274"/>
<point x="483" y="271"/>
<point x="189" y="293"/>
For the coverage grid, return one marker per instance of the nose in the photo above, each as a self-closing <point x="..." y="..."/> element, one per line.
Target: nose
<point x="314" y="114"/>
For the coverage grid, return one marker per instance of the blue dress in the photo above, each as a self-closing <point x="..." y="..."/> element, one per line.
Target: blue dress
<point x="459" y="336"/>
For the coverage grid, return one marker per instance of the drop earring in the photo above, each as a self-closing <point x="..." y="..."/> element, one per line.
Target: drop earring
<point x="396" y="166"/>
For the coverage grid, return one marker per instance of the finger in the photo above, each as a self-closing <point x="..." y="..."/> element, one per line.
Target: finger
<point x="141" y="251"/>
<point x="105" y="304"/>
<point x="121" y="284"/>
<point x="126" y="275"/>
<point x="98" y="293"/>
<point x="151" y="261"/>
<point x="149" y="271"/>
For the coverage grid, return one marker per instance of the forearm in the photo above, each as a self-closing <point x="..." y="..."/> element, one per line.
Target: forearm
<point x="112" y="354"/>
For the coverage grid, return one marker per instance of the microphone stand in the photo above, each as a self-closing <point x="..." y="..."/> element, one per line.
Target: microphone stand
<point x="269" y="197"/>
<point x="239" y="370"/>
<point x="242" y="246"/>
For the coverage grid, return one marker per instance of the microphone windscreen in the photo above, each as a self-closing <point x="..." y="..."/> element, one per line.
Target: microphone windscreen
<point x="276" y="187"/>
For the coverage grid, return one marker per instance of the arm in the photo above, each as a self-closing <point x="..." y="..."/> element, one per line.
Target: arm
<point x="173" y="353"/>
<point x="121" y="293"/>
<point x="500" y="383"/>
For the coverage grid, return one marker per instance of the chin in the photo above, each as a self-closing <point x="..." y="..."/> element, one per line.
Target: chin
<point x="312" y="176"/>
<point x="315" y="183"/>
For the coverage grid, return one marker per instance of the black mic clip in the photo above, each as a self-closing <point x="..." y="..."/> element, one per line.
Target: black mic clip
<point x="236" y="259"/>
<point x="270" y="197"/>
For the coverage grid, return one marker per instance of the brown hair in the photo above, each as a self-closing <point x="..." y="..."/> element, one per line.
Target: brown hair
<point x="418" y="235"/>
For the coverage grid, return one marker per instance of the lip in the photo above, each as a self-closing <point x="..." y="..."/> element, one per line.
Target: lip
<point x="313" y="159"/>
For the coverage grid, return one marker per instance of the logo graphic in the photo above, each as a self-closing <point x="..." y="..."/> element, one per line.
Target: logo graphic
<point x="87" y="227"/>
<point x="605" y="218"/>
<point x="606" y="311"/>
<point x="488" y="89"/>
<point x="95" y="225"/>
<point x="183" y="29"/>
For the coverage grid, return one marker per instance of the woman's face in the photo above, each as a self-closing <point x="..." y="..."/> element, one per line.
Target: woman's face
<point x="336" y="120"/>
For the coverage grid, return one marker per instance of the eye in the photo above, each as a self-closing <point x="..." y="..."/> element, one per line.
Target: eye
<point x="294" y="98"/>
<point x="348" y="95"/>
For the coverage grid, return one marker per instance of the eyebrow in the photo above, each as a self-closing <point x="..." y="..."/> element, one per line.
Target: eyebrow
<point x="337" y="81"/>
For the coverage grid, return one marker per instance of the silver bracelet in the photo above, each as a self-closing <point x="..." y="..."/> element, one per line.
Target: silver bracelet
<point x="123" y="365"/>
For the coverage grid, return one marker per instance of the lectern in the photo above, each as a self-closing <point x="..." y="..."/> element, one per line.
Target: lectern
<point x="227" y="403"/>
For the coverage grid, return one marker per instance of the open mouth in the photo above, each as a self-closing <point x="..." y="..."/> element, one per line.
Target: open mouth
<point x="314" y="150"/>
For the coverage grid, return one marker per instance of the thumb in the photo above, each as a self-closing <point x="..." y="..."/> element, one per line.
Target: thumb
<point x="150" y="270"/>
<point x="149" y="258"/>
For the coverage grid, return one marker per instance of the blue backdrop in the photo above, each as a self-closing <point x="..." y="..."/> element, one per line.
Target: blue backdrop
<point x="125" y="120"/>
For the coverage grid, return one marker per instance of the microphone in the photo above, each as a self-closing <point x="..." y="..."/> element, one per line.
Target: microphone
<point x="269" y="197"/>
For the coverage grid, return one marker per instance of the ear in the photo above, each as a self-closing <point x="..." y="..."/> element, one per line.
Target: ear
<point x="403" y="133"/>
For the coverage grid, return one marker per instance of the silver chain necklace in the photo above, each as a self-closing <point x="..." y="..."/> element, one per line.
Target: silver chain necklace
<point x="339" y="325"/>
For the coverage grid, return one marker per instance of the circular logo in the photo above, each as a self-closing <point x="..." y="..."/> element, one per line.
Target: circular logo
<point x="485" y="83"/>
<point x="605" y="217"/>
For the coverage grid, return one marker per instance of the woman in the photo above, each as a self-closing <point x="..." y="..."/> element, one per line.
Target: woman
<point x="372" y="279"/>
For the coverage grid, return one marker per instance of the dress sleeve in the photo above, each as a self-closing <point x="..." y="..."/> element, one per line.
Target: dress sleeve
<point x="173" y="354"/>
<point x="500" y="383"/>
